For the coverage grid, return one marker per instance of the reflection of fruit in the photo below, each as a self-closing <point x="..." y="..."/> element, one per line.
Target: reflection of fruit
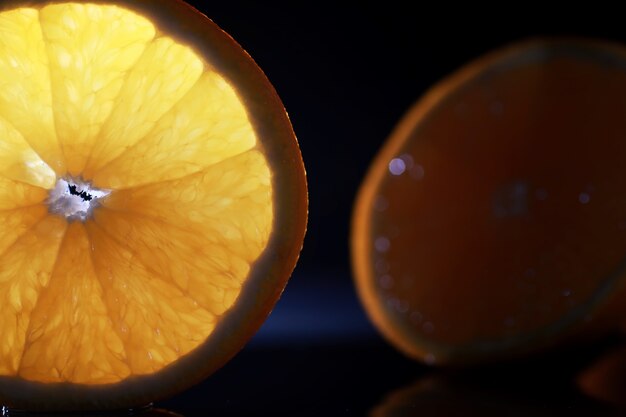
<point x="493" y="221"/>
<point x="606" y="378"/>
<point x="152" y="201"/>
<point x="472" y="397"/>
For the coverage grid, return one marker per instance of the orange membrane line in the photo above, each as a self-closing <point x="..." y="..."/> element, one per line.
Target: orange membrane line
<point x="29" y="328"/>
<point x="119" y="93"/>
<point x="168" y="224"/>
<point x="24" y="207"/>
<point x="17" y="239"/>
<point x="104" y="290"/>
<point x="191" y="174"/>
<point x="31" y="148"/>
<point x="52" y="106"/>
<point x="148" y="217"/>
<point x="158" y="275"/>
<point x="156" y="122"/>
<point x="22" y="181"/>
<point x="52" y="96"/>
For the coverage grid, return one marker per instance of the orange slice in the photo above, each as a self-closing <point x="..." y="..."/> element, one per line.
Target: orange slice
<point x="493" y="221"/>
<point x="152" y="201"/>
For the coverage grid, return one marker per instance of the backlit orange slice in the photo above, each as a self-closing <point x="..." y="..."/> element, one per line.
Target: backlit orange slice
<point x="152" y="201"/>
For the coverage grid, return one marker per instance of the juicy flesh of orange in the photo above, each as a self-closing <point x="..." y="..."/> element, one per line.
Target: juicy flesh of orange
<point x="503" y="211"/>
<point x="96" y="92"/>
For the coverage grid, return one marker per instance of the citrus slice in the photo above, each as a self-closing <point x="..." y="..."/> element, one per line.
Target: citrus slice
<point x="493" y="221"/>
<point x="152" y="201"/>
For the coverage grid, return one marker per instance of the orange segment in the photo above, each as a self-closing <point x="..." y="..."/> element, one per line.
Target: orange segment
<point x="156" y="321"/>
<point x="15" y="194"/>
<point x="70" y="336"/>
<point x="19" y="162"/>
<point x="148" y="93"/>
<point x="27" y="105"/>
<point x="155" y="243"/>
<point x="22" y="278"/>
<point x="90" y="49"/>
<point x="209" y="204"/>
<point x="17" y="222"/>
<point x="207" y="126"/>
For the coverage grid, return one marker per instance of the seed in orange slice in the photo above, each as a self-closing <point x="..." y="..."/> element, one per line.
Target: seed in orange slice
<point x="493" y="221"/>
<point x="152" y="201"/>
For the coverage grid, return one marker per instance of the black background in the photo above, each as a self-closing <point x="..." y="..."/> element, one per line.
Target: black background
<point x="346" y="73"/>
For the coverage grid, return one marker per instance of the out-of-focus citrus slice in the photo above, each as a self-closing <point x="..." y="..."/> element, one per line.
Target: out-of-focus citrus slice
<point x="152" y="201"/>
<point x="493" y="222"/>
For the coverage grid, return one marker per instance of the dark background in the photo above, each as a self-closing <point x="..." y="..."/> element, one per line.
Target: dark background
<point x="346" y="73"/>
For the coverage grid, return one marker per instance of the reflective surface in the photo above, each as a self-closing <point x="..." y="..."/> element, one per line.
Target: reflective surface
<point x="324" y="372"/>
<point x="605" y="378"/>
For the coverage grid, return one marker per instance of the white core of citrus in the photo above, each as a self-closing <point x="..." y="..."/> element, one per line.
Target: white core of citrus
<point x="75" y="199"/>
